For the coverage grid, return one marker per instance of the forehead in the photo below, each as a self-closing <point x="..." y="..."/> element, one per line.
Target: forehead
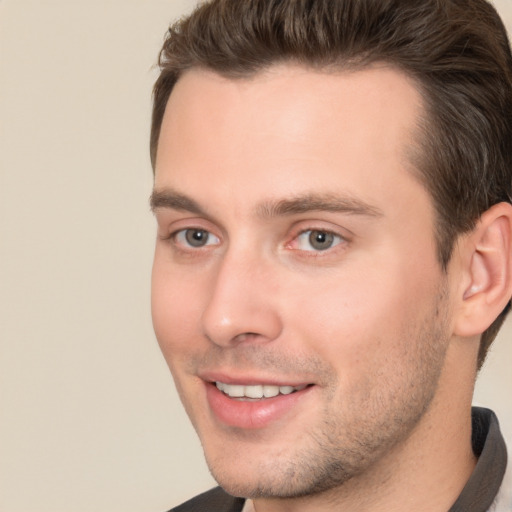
<point x="288" y="130"/>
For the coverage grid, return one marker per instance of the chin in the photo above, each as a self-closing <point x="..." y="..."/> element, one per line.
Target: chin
<point x="277" y="477"/>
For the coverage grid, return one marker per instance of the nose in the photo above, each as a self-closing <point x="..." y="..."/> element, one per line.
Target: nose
<point x="242" y="304"/>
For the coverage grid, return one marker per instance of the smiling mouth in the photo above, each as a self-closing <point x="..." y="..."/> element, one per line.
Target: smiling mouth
<point x="256" y="392"/>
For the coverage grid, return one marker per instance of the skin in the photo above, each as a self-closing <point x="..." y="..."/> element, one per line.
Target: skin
<point x="369" y="323"/>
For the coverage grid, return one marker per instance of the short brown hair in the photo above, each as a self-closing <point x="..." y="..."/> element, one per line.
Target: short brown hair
<point x="457" y="51"/>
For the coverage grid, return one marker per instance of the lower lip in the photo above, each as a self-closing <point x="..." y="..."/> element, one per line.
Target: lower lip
<point x="251" y="414"/>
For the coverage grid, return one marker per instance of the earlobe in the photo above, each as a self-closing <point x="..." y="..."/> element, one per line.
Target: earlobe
<point x="488" y="273"/>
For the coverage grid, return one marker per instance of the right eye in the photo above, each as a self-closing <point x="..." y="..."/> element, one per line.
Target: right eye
<point x="195" y="238"/>
<point x="317" y="240"/>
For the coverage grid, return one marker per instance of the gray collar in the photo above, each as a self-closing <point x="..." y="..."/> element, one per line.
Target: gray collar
<point x="482" y="487"/>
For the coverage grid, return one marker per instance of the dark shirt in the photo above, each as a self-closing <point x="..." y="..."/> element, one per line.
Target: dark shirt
<point x="478" y="494"/>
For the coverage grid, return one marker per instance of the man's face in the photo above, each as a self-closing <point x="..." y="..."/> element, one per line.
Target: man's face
<point x="295" y="269"/>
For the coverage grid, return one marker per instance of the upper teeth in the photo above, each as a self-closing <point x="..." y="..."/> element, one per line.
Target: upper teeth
<point x="258" y="391"/>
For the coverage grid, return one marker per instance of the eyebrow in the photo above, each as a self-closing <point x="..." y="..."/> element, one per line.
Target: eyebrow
<point x="318" y="202"/>
<point x="171" y="199"/>
<point x="175" y="201"/>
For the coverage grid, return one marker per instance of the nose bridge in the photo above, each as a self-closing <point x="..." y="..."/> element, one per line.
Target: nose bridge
<point x="240" y="303"/>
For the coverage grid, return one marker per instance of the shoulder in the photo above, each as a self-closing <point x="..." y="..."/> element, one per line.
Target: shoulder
<point x="215" y="500"/>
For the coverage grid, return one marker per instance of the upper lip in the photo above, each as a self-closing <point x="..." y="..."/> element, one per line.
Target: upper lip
<point x="251" y="380"/>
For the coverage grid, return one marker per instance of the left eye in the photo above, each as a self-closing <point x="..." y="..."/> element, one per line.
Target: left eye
<point x="195" y="238"/>
<point x="317" y="240"/>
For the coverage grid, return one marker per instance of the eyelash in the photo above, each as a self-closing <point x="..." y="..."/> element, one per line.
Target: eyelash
<point x="183" y="232"/>
<point x="334" y="238"/>
<point x="179" y="240"/>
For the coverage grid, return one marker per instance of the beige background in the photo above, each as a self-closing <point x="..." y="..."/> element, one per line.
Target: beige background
<point x="89" y="420"/>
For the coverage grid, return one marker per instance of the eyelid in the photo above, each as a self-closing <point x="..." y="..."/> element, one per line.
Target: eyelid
<point x="303" y="239"/>
<point x="171" y="224"/>
<point x="342" y="236"/>
<point x="181" y="233"/>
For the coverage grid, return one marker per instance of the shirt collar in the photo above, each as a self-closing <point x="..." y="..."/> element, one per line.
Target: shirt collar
<point x="484" y="483"/>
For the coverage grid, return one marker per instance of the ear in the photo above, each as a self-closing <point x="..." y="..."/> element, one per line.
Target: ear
<point x="487" y="271"/>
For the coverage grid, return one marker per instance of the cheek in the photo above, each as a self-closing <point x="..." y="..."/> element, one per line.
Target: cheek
<point x="176" y="312"/>
<point x="176" y="320"/>
<point x="357" y="319"/>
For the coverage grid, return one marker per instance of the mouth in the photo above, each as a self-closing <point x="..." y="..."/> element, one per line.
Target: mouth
<point x="256" y="392"/>
<point x="256" y="405"/>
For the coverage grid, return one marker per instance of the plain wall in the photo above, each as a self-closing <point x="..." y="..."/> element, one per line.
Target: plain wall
<point x="89" y="419"/>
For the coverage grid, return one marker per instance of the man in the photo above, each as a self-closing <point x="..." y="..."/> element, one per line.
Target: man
<point x="333" y="260"/>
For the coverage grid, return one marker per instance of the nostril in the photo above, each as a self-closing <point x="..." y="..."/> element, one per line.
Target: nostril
<point x="245" y="336"/>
